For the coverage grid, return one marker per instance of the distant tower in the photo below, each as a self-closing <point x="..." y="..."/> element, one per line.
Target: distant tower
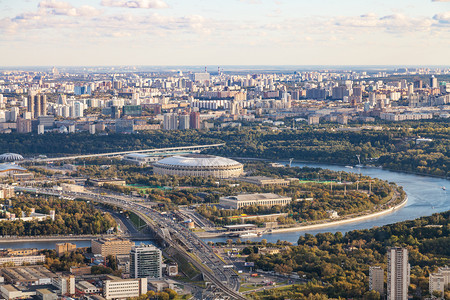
<point x="398" y="274"/>
<point x="433" y="82"/>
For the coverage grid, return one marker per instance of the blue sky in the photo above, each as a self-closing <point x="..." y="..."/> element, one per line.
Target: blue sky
<point x="224" y="32"/>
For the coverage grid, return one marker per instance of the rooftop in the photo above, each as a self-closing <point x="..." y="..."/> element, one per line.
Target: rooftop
<point x="198" y="160"/>
<point x="247" y="197"/>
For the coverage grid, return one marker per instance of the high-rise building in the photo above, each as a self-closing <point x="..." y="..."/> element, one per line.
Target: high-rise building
<point x="170" y="122"/>
<point x="37" y="104"/>
<point x="23" y="125"/>
<point x="397" y="274"/>
<point x="433" y="82"/>
<point x="77" y="110"/>
<point x="145" y="261"/>
<point x="194" y="120"/>
<point x="184" y="122"/>
<point x="376" y="279"/>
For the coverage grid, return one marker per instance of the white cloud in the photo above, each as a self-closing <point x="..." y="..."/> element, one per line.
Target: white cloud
<point x="135" y="3"/>
<point x="443" y="18"/>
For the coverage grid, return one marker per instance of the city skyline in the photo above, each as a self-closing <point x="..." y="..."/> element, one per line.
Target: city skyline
<point x="240" y="32"/>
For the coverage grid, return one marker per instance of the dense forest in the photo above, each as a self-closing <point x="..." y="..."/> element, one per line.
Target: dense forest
<point x="338" y="265"/>
<point x="72" y="217"/>
<point x="394" y="147"/>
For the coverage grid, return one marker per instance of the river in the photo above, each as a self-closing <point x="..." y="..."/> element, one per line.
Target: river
<point x="425" y="197"/>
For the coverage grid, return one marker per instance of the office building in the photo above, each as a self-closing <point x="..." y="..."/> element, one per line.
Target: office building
<point x="266" y="199"/>
<point x="116" y="288"/>
<point x="145" y="261"/>
<point x="397" y="274"/>
<point x="376" y="280"/>
<point x="440" y="281"/>
<point x="111" y="246"/>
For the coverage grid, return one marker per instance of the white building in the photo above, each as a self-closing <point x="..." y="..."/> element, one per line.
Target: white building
<point x="20" y="260"/>
<point x="266" y="199"/>
<point x="440" y="280"/>
<point x="398" y="271"/>
<point x="145" y="261"/>
<point x="124" y="288"/>
<point x="66" y="285"/>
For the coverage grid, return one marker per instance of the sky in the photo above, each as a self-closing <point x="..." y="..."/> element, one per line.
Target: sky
<point x="224" y="32"/>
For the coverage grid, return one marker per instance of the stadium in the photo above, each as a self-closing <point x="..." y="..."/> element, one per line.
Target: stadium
<point x="198" y="165"/>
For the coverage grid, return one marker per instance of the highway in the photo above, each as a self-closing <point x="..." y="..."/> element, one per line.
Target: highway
<point x="224" y="281"/>
<point x="144" y="151"/>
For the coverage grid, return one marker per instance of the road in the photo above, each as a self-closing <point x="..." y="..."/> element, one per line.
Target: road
<point x="160" y="150"/>
<point x="224" y="281"/>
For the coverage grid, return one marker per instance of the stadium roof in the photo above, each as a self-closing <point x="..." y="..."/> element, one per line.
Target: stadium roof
<point x="197" y="160"/>
<point x="9" y="167"/>
<point x="11" y="157"/>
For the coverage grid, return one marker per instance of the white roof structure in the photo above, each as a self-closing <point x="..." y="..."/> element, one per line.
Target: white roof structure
<point x="9" y="167"/>
<point x="10" y="157"/>
<point x="197" y="160"/>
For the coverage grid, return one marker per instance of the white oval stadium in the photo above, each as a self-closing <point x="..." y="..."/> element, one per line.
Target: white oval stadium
<point x="198" y="165"/>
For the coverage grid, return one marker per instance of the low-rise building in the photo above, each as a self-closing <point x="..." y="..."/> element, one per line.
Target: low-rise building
<point x="101" y="182"/>
<point x="266" y="199"/>
<point x="140" y="159"/>
<point x="30" y="275"/>
<point x="117" y="288"/>
<point x="265" y="181"/>
<point x="21" y="260"/>
<point x="172" y="269"/>
<point x="45" y="294"/>
<point x="9" y="291"/>
<point x="86" y="287"/>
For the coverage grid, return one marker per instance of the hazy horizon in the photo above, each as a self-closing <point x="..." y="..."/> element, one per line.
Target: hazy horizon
<point x="234" y="32"/>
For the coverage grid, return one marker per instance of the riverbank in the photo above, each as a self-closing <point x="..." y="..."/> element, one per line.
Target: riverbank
<point x="325" y="224"/>
<point x="64" y="238"/>
<point x="342" y="222"/>
<point x="286" y="162"/>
